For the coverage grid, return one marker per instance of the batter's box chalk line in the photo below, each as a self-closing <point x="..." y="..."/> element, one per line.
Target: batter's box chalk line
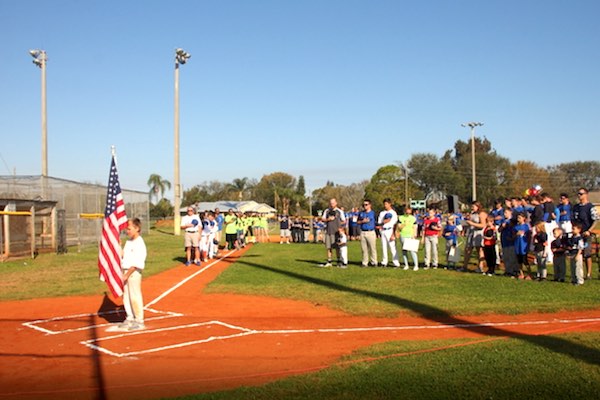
<point x="166" y="314"/>
<point x="241" y="332"/>
<point x="37" y="324"/>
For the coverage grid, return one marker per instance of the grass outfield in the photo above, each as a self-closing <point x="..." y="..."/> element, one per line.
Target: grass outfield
<point x="290" y="271"/>
<point x="540" y="367"/>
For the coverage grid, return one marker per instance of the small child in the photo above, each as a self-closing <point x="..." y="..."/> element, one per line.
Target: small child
<point x="342" y="245"/>
<point x="450" y="233"/>
<point x="575" y="254"/>
<point x="540" y="242"/>
<point x="560" y="259"/>
<point x="209" y="227"/>
<point x="489" y="245"/>
<point x="523" y="232"/>
<point x="133" y="262"/>
<point x="507" y="241"/>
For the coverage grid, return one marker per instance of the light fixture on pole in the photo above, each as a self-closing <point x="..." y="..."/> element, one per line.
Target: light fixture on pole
<point x="39" y="59"/>
<point x="473" y="125"/>
<point x="181" y="57"/>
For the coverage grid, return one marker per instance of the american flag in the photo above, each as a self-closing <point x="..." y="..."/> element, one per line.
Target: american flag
<point x="115" y="220"/>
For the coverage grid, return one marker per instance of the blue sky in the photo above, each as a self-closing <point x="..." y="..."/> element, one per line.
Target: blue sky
<point x="331" y="90"/>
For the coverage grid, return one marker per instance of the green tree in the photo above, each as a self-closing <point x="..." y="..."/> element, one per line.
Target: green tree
<point x="387" y="182"/>
<point x="162" y="209"/>
<point x="157" y="185"/>
<point x="573" y="175"/>
<point x="277" y="189"/>
<point x="240" y="187"/>
<point x="492" y="171"/>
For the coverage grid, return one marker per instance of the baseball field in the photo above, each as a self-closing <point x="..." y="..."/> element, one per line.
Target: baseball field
<point x="267" y="323"/>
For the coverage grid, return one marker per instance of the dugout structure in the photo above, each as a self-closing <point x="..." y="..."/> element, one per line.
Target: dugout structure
<point x="27" y="227"/>
<point x="80" y="206"/>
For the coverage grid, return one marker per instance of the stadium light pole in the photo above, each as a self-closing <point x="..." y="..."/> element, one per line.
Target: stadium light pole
<point x="473" y="125"/>
<point x="181" y="58"/>
<point x="39" y="59"/>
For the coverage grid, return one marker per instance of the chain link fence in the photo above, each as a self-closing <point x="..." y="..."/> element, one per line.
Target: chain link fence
<point x="83" y="203"/>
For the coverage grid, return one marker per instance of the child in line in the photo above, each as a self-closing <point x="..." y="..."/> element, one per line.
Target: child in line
<point x="522" y="235"/>
<point x="507" y="241"/>
<point x="489" y="245"/>
<point x="559" y="250"/>
<point x="540" y="242"/>
<point x="451" y="235"/>
<point x="133" y="262"/>
<point x="342" y="245"/>
<point x="575" y="254"/>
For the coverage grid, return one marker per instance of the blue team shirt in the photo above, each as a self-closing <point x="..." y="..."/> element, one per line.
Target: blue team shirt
<point x="219" y="218"/>
<point x="450" y="234"/>
<point x="567" y="209"/>
<point x="369" y="226"/>
<point x="522" y="242"/>
<point x="498" y="213"/>
<point x="507" y="238"/>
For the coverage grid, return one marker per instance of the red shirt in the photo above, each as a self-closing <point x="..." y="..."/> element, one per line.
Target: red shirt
<point x="427" y="224"/>
<point x="489" y="236"/>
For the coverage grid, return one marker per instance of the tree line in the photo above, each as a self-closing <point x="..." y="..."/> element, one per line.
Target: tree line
<point x="423" y="176"/>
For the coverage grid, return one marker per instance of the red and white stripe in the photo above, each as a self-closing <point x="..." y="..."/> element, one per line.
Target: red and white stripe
<point x="109" y="257"/>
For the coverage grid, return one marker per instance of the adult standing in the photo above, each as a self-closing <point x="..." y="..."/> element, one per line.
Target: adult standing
<point x="231" y="228"/>
<point x="585" y="213"/>
<point x="387" y="220"/>
<point x="334" y="218"/>
<point x="190" y="223"/>
<point x="432" y="226"/>
<point x="284" y="228"/>
<point x="475" y="224"/>
<point x="407" y="224"/>
<point x="368" y="238"/>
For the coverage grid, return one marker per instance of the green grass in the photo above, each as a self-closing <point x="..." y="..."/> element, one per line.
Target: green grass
<point x="540" y="367"/>
<point x="76" y="273"/>
<point x="290" y="271"/>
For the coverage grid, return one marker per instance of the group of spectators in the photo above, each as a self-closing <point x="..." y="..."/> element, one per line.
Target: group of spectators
<point x="203" y="232"/>
<point x="518" y="233"/>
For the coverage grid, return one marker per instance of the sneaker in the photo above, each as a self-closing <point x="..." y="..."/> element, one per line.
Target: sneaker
<point x="489" y="274"/>
<point x="197" y="262"/>
<point x="187" y="263"/>
<point x="344" y="266"/>
<point x="125" y="325"/>
<point x="383" y="265"/>
<point x="415" y="268"/>
<point x="136" y="326"/>
<point x="405" y="268"/>
<point x="327" y="264"/>
<point x="426" y="267"/>
<point x="373" y="264"/>
<point x="435" y="267"/>
<point x="364" y="265"/>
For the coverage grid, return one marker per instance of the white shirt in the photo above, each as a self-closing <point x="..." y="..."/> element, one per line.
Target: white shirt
<point x="134" y="254"/>
<point x="187" y="220"/>
<point x="209" y="227"/>
<point x="392" y="215"/>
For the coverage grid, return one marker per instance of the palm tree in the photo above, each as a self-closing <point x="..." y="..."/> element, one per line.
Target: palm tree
<point x="158" y="185"/>
<point x="240" y="185"/>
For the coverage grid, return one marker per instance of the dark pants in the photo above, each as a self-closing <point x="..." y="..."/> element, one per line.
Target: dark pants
<point x="490" y="258"/>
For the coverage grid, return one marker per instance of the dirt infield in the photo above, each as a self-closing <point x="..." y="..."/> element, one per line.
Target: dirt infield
<point x="196" y="342"/>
